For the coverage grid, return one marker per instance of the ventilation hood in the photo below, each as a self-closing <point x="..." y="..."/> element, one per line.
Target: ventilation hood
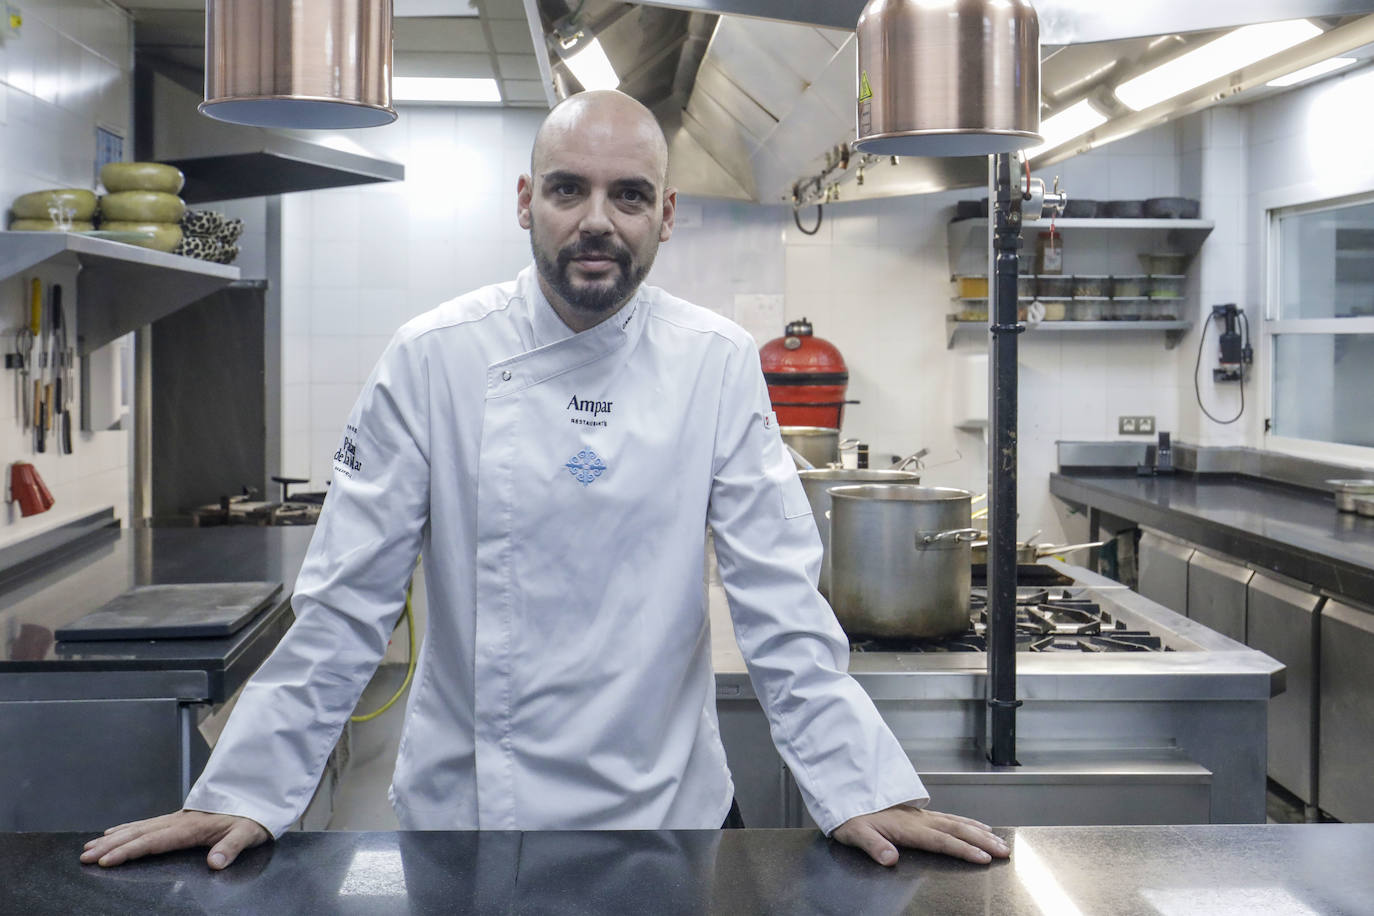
<point x="756" y="97"/>
<point x="228" y="161"/>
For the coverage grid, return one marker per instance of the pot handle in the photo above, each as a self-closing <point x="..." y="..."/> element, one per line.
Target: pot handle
<point x="957" y="535"/>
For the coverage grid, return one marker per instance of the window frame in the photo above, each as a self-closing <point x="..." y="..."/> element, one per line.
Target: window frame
<point x="1274" y="209"/>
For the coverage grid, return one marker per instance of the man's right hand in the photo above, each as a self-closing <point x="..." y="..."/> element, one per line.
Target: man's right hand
<point x="225" y="834"/>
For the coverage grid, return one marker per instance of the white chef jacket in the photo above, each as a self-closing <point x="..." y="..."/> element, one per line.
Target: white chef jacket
<point x="559" y="486"/>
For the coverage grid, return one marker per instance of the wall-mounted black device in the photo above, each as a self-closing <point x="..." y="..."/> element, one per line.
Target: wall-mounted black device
<point x="1235" y="355"/>
<point x="1236" y="351"/>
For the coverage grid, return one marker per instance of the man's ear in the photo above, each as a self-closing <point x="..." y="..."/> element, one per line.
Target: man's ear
<point x="524" y="194"/>
<point x="665" y="231"/>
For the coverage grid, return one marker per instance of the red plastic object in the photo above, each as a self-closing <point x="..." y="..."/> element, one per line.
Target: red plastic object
<point x="28" y="488"/>
<point x="807" y="378"/>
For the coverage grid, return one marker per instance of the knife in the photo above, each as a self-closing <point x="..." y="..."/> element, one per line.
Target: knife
<point x="38" y="414"/>
<point x="59" y="344"/>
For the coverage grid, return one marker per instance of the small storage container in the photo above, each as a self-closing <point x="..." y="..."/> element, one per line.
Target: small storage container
<point x="972" y="310"/>
<point x="1130" y="308"/>
<point x="1167" y="286"/>
<point x="1092" y="286"/>
<point x="1134" y="286"/>
<point x="1086" y="309"/>
<point x="1056" y="309"/>
<point x="1052" y="286"/>
<point x="1025" y="286"/>
<point x="1168" y="263"/>
<point x="972" y="287"/>
<point x="1160" y="309"/>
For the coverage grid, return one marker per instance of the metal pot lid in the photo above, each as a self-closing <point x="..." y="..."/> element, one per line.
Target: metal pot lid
<point x="1352" y="486"/>
<point x="901" y="492"/>
<point x="876" y="475"/>
<point x="808" y="431"/>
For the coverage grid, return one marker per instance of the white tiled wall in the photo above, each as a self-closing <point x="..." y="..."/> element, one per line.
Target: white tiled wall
<point x="1213" y="167"/>
<point x="359" y="262"/>
<point x="66" y="72"/>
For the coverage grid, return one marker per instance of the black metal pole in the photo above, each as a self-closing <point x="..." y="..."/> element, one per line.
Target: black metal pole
<point x="1006" y="240"/>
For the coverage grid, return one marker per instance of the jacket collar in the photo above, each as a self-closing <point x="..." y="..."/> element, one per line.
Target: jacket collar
<point x="555" y="348"/>
<point x="548" y="329"/>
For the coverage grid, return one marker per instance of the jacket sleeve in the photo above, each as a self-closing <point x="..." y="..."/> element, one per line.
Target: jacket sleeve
<point x="845" y="759"/>
<point x="349" y="594"/>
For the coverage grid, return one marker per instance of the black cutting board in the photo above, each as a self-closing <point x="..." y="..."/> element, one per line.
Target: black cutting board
<point x="174" y="611"/>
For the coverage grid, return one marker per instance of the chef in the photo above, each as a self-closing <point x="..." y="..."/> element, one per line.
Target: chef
<point x="555" y="447"/>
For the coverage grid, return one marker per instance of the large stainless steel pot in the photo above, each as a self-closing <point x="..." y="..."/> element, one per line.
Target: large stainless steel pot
<point x="819" y="482"/>
<point x="819" y="445"/>
<point x="900" y="563"/>
<point x="1347" y="491"/>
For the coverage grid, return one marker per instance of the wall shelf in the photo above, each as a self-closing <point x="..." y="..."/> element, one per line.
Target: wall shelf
<point x="1172" y="330"/>
<point x="119" y="287"/>
<point x="1183" y="235"/>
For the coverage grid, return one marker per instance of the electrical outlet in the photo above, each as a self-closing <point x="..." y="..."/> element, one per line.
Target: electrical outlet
<point x="1135" y="426"/>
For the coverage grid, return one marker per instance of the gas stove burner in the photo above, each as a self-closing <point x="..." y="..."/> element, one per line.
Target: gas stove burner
<point x="1024" y="595"/>
<point x="1047" y="620"/>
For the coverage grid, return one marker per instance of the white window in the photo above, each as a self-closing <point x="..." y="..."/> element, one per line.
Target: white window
<point x="1320" y="327"/>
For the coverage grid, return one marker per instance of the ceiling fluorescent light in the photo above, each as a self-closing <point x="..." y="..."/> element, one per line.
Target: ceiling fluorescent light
<point x="1306" y="73"/>
<point x="1226" y="54"/>
<point x="592" y="67"/>
<point x="1073" y="121"/>
<point x="443" y="89"/>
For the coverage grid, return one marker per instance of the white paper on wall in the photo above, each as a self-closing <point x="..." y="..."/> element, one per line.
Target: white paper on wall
<point x="760" y="314"/>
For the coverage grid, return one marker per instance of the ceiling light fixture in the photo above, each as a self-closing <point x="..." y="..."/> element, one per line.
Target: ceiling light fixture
<point x="318" y="64"/>
<point x="1224" y="55"/>
<point x="947" y="78"/>
<point x="592" y="67"/>
<point x="1320" y="68"/>
<point x="1073" y="121"/>
<point x="444" y="89"/>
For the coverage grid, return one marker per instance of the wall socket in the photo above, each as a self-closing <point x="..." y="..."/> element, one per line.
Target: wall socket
<point x="1135" y="426"/>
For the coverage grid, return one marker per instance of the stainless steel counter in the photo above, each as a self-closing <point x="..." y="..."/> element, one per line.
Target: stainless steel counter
<point x="1297" y="870"/>
<point x="1198" y="713"/>
<point x="101" y="732"/>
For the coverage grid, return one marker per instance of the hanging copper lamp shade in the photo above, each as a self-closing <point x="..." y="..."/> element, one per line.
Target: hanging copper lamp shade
<point x="298" y="63"/>
<point x="948" y="77"/>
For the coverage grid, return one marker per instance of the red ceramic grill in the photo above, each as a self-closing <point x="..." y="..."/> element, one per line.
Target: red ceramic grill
<point x="807" y="378"/>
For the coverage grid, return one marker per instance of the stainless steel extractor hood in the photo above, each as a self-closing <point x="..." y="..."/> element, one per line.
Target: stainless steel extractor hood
<point x="757" y="97"/>
<point x="228" y="161"/>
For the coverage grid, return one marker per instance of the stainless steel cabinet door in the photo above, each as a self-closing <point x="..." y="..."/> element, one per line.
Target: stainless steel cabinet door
<point x="1281" y="622"/>
<point x="1217" y="593"/>
<point x="1345" y="769"/>
<point x="1164" y="570"/>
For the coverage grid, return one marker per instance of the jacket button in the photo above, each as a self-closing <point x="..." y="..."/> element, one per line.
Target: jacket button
<point x="505" y="375"/>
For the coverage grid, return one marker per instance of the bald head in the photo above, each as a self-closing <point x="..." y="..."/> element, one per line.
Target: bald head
<point x="604" y="118"/>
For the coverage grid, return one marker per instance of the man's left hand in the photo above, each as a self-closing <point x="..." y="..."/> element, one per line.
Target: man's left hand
<point x="880" y="833"/>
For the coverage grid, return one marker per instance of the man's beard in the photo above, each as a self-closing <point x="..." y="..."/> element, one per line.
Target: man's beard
<point x="595" y="299"/>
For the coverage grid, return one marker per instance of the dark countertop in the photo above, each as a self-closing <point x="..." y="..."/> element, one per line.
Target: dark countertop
<point x="31" y="609"/>
<point x="1292" y="531"/>
<point x="1065" y="871"/>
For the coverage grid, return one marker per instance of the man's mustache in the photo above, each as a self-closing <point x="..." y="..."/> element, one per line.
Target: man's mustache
<point x="594" y="250"/>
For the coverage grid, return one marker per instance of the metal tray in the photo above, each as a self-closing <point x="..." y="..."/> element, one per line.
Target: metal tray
<point x="204" y="609"/>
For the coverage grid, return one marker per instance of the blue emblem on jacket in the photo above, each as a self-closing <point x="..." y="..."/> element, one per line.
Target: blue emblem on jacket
<point x="585" y="466"/>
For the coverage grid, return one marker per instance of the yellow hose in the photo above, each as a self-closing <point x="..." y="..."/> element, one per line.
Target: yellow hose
<point x="410" y="662"/>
